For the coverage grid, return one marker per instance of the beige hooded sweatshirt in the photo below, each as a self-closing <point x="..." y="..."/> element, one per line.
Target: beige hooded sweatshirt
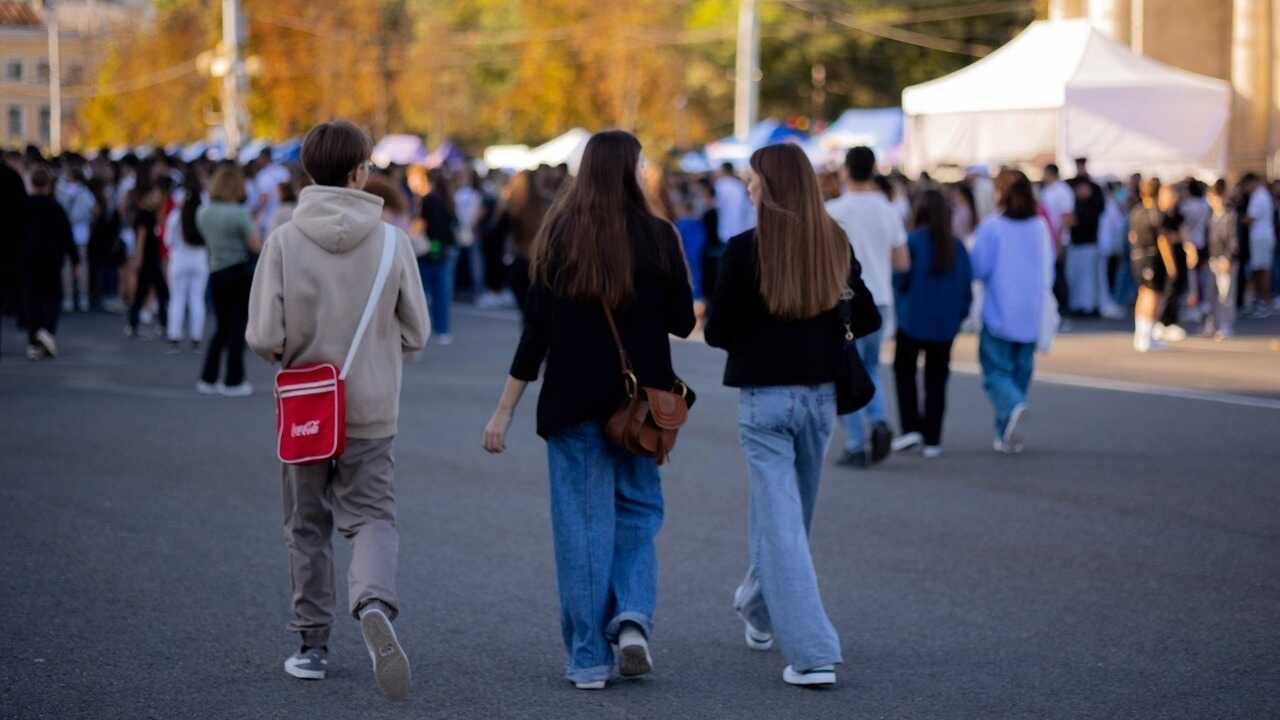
<point x="310" y="289"/>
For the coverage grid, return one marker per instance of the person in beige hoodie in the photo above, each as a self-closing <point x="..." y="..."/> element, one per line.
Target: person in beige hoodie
<point x="309" y="291"/>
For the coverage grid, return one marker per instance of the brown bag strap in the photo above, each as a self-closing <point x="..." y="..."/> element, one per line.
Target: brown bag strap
<point x="629" y="379"/>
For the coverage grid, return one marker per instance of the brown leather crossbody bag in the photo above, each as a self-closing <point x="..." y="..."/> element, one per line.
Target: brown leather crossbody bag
<point x="650" y="419"/>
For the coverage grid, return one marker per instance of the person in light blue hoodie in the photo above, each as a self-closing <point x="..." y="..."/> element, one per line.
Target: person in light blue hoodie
<point x="1009" y="257"/>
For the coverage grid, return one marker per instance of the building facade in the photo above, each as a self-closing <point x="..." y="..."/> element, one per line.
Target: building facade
<point x="85" y="28"/>
<point x="1233" y="40"/>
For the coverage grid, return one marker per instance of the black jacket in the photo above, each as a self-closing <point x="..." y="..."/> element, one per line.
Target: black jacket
<point x="47" y="243"/>
<point x="583" y="379"/>
<point x="767" y="350"/>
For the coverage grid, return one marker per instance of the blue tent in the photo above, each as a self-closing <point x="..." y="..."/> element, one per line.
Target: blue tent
<point x="765" y="132"/>
<point x="878" y="128"/>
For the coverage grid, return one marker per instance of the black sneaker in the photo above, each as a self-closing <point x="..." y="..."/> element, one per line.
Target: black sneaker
<point x="853" y="459"/>
<point x="881" y="441"/>
<point x="308" y="663"/>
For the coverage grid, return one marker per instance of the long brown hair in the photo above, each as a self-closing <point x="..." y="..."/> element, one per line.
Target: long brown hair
<point x="933" y="212"/>
<point x="584" y="249"/>
<point x="804" y="255"/>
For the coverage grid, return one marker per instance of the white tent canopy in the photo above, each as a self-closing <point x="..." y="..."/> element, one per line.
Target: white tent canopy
<point x="1061" y="90"/>
<point x="565" y="149"/>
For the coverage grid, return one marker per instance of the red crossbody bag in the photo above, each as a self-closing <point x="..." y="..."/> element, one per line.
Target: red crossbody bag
<point x="311" y="400"/>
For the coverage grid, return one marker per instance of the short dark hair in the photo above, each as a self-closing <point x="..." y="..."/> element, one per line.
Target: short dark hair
<point x="1053" y="168"/>
<point x="726" y="168"/>
<point x="332" y="150"/>
<point x="861" y="162"/>
<point x="42" y="178"/>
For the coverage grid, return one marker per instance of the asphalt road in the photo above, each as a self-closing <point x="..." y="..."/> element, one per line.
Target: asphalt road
<point x="1127" y="566"/>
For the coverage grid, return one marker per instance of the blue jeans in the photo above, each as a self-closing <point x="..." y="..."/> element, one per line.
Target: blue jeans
<point x="437" y="281"/>
<point x="855" y="423"/>
<point x="606" y="509"/>
<point x="1006" y="374"/>
<point x="785" y="432"/>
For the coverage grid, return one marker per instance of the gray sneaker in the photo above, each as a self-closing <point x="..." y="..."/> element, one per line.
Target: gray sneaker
<point x="390" y="664"/>
<point x="308" y="663"/>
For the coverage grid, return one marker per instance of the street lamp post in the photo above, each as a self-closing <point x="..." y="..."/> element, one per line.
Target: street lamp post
<point x="746" y="96"/>
<point x="55" y="77"/>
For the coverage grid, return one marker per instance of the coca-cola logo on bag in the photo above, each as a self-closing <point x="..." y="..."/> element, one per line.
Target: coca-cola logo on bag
<point x="311" y="427"/>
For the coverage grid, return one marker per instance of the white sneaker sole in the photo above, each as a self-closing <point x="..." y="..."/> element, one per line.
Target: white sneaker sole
<point x="810" y="679"/>
<point x="303" y="674"/>
<point x="753" y="643"/>
<point x="594" y="685"/>
<point x="634" y="660"/>
<point x="390" y="664"/>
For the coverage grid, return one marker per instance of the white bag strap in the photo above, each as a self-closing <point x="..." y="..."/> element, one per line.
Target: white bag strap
<point x="379" y="281"/>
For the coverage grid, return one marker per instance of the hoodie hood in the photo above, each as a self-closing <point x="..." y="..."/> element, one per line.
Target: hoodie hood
<point x="337" y="219"/>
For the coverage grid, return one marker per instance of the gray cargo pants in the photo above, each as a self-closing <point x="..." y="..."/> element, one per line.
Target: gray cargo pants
<point x="355" y="493"/>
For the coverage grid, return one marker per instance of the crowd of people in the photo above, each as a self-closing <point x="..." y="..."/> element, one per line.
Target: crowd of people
<point x="797" y="275"/>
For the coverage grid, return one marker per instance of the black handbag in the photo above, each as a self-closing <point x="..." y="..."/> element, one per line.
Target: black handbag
<point x="854" y="388"/>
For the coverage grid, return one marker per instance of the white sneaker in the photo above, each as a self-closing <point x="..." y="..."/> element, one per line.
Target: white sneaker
<point x="907" y="441"/>
<point x="1113" y="312"/>
<point x="931" y="451"/>
<point x="1011" y="437"/>
<point x="757" y="639"/>
<point x="824" y="676"/>
<point x="390" y="664"/>
<point x="205" y="388"/>
<point x="244" y="389"/>
<point x="1150" y="346"/>
<point x="45" y="338"/>
<point x="1168" y="333"/>
<point x="593" y="685"/>
<point x="634" y="659"/>
<point x="1004" y="449"/>
<point x="444" y="339"/>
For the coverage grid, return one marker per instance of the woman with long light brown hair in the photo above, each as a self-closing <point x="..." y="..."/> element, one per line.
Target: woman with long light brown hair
<point x="600" y="254"/>
<point x="777" y="312"/>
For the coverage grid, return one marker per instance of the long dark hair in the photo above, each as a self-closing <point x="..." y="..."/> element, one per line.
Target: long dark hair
<point x="439" y="183"/>
<point x="803" y="253"/>
<point x="933" y="212"/>
<point x="190" y="233"/>
<point x="585" y="248"/>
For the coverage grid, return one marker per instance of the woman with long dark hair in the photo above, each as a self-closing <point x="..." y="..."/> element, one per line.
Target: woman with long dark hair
<point x="438" y="265"/>
<point x="188" y="266"/>
<point x="1012" y="256"/>
<point x="933" y="299"/>
<point x="601" y="251"/>
<point x="776" y="310"/>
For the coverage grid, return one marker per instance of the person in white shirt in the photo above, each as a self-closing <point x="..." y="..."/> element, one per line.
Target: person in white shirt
<point x="734" y="210"/>
<point x="267" y="182"/>
<point x="188" y="268"/>
<point x="76" y="200"/>
<point x="879" y="242"/>
<point x="1058" y="201"/>
<point x="1259" y="215"/>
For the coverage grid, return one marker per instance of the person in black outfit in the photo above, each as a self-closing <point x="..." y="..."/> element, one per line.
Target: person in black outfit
<point x="777" y="312"/>
<point x="1090" y="204"/>
<point x="600" y="251"/>
<point x="13" y="208"/>
<point x="146" y="224"/>
<point x="439" y="265"/>
<point x="48" y="243"/>
<point x="106" y="250"/>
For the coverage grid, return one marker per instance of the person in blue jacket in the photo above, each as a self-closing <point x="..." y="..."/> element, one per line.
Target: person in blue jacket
<point x="933" y="299"/>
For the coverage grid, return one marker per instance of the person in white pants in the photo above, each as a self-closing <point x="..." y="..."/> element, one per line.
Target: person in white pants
<point x="188" y="270"/>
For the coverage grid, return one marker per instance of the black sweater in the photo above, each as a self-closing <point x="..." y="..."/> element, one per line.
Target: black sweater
<point x="584" y="374"/>
<point x="766" y="350"/>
